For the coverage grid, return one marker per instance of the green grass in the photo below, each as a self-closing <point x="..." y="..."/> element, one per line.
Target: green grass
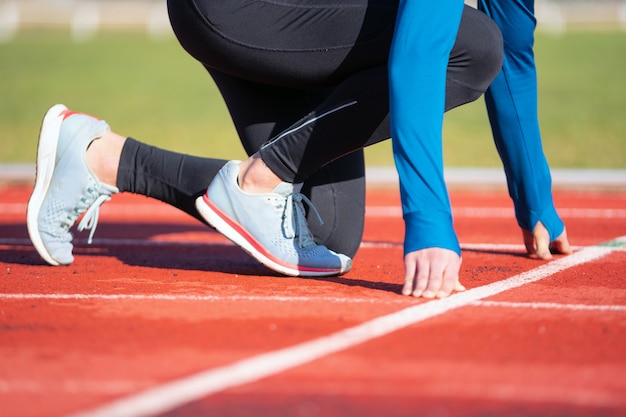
<point x="156" y="93"/>
<point x="150" y="90"/>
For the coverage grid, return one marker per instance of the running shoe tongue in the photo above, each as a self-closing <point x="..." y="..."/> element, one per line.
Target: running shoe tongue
<point x="294" y="217"/>
<point x="285" y="188"/>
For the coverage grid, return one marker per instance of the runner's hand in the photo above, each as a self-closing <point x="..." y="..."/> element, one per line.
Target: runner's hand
<point x="538" y="243"/>
<point x="432" y="272"/>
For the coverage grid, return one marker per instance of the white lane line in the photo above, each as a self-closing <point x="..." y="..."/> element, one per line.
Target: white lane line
<point x="170" y="395"/>
<point x="219" y="241"/>
<point x="550" y="306"/>
<point x="212" y="239"/>
<point x="203" y="298"/>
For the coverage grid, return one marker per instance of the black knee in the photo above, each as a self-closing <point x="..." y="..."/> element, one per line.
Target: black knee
<point x="338" y="193"/>
<point x="488" y="52"/>
<point x="476" y="58"/>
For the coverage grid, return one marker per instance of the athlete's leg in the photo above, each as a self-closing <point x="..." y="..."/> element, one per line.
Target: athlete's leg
<point x="81" y="163"/>
<point x="139" y="168"/>
<point x="259" y="113"/>
<point x="174" y="178"/>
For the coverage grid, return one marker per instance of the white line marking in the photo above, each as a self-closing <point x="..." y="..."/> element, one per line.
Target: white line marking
<point x="223" y="242"/>
<point x="170" y="395"/>
<point x="203" y="298"/>
<point x="219" y="241"/>
<point x="214" y="240"/>
<point x="551" y="306"/>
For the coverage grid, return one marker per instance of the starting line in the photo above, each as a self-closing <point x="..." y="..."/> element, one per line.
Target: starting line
<point x="174" y="394"/>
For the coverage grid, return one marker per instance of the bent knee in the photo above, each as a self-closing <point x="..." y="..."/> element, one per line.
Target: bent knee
<point x="476" y="58"/>
<point x="485" y="49"/>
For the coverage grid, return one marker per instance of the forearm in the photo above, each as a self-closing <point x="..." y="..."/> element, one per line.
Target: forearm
<point x="512" y="105"/>
<point x="425" y="34"/>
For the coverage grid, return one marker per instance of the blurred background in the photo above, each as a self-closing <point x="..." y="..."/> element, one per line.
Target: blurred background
<point x="119" y="60"/>
<point x="87" y="17"/>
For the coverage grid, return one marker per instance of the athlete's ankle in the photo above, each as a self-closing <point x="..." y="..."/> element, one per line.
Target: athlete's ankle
<point x="256" y="177"/>
<point x="103" y="157"/>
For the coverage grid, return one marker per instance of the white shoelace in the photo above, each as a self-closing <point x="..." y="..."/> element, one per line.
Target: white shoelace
<point x="295" y="209"/>
<point x="90" y="219"/>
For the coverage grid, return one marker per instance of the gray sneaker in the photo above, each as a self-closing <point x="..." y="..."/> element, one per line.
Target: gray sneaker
<point x="271" y="227"/>
<point x="65" y="187"/>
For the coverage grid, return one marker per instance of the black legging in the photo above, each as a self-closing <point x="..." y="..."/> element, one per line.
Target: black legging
<point x="306" y="84"/>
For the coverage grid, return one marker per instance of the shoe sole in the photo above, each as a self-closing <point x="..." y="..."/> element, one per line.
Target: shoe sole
<point x="46" y="155"/>
<point x="239" y="236"/>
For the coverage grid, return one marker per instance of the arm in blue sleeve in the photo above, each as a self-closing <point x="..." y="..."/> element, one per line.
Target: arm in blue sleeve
<point x="512" y="106"/>
<point x="424" y="36"/>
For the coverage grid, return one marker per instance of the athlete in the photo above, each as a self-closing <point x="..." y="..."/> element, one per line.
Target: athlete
<point x="512" y="108"/>
<point x="307" y="87"/>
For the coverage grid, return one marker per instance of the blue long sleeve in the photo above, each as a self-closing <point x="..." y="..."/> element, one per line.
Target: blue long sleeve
<point x="512" y="105"/>
<point x="424" y="36"/>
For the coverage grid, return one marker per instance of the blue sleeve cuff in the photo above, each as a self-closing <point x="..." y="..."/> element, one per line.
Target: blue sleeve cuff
<point x="527" y="219"/>
<point x="430" y="229"/>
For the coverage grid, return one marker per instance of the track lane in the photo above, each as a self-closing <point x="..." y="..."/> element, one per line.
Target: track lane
<point x="82" y="366"/>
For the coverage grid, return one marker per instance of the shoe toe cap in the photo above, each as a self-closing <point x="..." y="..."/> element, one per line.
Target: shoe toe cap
<point x="57" y="252"/>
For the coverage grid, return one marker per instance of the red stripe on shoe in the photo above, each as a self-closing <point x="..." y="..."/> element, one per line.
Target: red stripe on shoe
<point x="67" y="113"/>
<point x="257" y="245"/>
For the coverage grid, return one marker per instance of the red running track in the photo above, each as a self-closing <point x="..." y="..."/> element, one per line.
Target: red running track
<point x="161" y="316"/>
